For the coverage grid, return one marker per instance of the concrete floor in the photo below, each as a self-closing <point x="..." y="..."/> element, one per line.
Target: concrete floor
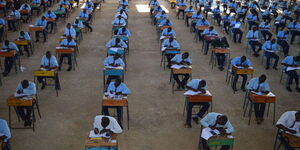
<point x="156" y="114"/>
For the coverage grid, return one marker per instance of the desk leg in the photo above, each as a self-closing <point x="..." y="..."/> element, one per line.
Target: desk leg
<point x="33" y="118"/>
<point x="171" y="73"/>
<point x="185" y="105"/>
<point x="268" y="110"/>
<point x="9" y="117"/>
<point x="274" y="111"/>
<point x="250" y="113"/>
<point x="128" y="117"/>
<point x="211" y="106"/>
<point x="103" y="81"/>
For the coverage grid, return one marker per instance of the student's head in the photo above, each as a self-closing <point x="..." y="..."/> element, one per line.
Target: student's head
<point x="198" y="12"/>
<point x="69" y="25"/>
<point x="123" y="29"/>
<point x="119" y="17"/>
<point x="185" y="55"/>
<point x="25" y="84"/>
<point x="297" y="58"/>
<point x="76" y="21"/>
<point x="201" y="84"/>
<point x="211" y="28"/>
<point x="297" y="115"/>
<point x="60" y="6"/>
<point x="171" y="39"/>
<point x="69" y="38"/>
<point x="43" y="18"/>
<point x="116" y="56"/>
<point x="118" y="82"/>
<point x="22" y="33"/>
<point x="118" y="40"/>
<point x="167" y="21"/>
<point x="262" y="78"/>
<point x="104" y="122"/>
<point x="243" y="58"/>
<point x="191" y="7"/>
<point x="163" y="12"/>
<point x="273" y="41"/>
<point x="6" y="42"/>
<point x="48" y="54"/>
<point x="221" y="120"/>
<point x="49" y="11"/>
<point x="254" y="28"/>
<point x="169" y="29"/>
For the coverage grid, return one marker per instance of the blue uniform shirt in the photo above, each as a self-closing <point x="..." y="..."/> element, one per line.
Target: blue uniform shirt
<point x="210" y="120"/>
<point x="202" y="23"/>
<point x="110" y="60"/>
<point x="164" y="23"/>
<point x="251" y="35"/>
<point x="2" y="21"/>
<point x="16" y="14"/>
<point x="112" y="43"/>
<point x="65" y="42"/>
<point x="84" y="15"/>
<point x="237" y="60"/>
<point x="226" y="18"/>
<point x="41" y="23"/>
<point x="254" y="85"/>
<point x="45" y="61"/>
<point x="121" y="88"/>
<point x="294" y="26"/>
<point x="188" y="10"/>
<point x="241" y="10"/>
<point x="195" y="83"/>
<point x="36" y="2"/>
<point x="51" y="15"/>
<point x="269" y="46"/>
<point x="264" y="27"/>
<point x="280" y="19"/>
<point x="77" y="25"/>
<point x="62" y="2"/>
<point x="178" y="58"/>
<point x="25" y="36"/>
<point x="11" y="46"/>
<point x="23" y="7"/>
<point x="289" y="60"/>
<point x="166" y="33"/>
<point x="29" y="91"/>
<point x="251" y="17"/>
<point x="153" y="3"/>
<point x="216" y="11"/>
<point x="126" y="32"/>
<point x="195" y="16"/>
<point x="118" y="21"/>
<point x="4" y="130"/>
<point x="174" y="43"/>
<point x="181" y="4"/>
<point x="70" y="32"/>
<point x="208" y="32"/>
<point x="282" y="36"/>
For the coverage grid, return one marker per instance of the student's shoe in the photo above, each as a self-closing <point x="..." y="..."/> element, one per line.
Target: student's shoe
<point x="221" y="68"/>
<point x="25" y="124"/>
<point x="289" y="89"/>
<point x="298" y="89"/>
<point x="4" y="74"/>
<point x="188" y="125"/>
<point x="243" y="88"/>
<point x="196" y="120"/>
<point x="59" y="68"/>
<point x="43" y="86"/>
<point x="234" y="89"/>
<point x="267" y="68"/>
<point x="70" y="68"/>
<point x="178" y="87"/>
<point x="275" y="68"/>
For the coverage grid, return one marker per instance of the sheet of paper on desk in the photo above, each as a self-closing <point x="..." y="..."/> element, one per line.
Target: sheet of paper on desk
<point x="237" y="25"/>
<point x="206" y="133"/>
<point x="22" y="95"/>
<point x="163" y="48"/>
<point x="292" y="68"/>
<point x="180" y="66"/>
<point x="190" y="92"/>
<point x="43" y="69"/>
<point x="93" y="135"/>
<point x="240" y="67"/>
<point x="112" y="67"/>
<point x="3" y="50"/>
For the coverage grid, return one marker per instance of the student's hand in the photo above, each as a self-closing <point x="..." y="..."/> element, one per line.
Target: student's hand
<point x="96" y="131"/>
<point x="203" y="91"/>
<point x="292" y="131"/>
<point x="20" y="91"/>
<point x="212" y="127"/>
<point x="246" y="66"/>
<point x="119" y="93"/>
<point x="266" y="92"/>
<point x="104" y="130"/>
<point x="222" y="131"/>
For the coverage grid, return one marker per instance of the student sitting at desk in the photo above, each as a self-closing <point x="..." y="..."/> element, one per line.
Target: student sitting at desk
<point x="35" y="5"/>
<point x="220" y="43"/>
<point x="69" y="42"/>
<point x="243" y="62"/>
<point x="113" y="61"/>
<point x="226" y="22"/>
<point x="86" y="17"/>
<point x="123" y="2"/>
<point x="153" y="3"/>
<point x="291" y="62"/>
<point x="282" y="40"/>
<point x="104" y="124"/>
<point x="9" y="61"/>
<point x="165" y="22"/>
<point x="24" y="36"/>
<point x="25" y="7"/>
<point x="210" y="32"/>
<point x="117" y="88"/>
<point x="70" y="31"/>
<point x="201" y="22"/>
<point x="196" y="85"/>
<point x="124" y="8"/>
<point x="77" y="25"/>
<point x="188" y="10"/>
<point x="280" y="22"/>
<point x="181" y="3"/>
<point x="168" y="32"/>
<point x="252" y="18"/>
<point x="288" y="122"/>
<point x="171" y="44"/>
<point x="61" y="9"/>
<point x="12" y="23"/>
<point x="236" y="30"/>
<point x="25" y="89"/>
<point x="123" y="31"/>
<point x="241" y="13"/>
<point x="5" y="135"/>
<point x="216" y="121"/>
<point x="157" y="10"/>
<point x="41" y="22"/>
<point x="119" y="21"/>
<point x="48" y="63"/>
<point x="160" y="16"/>
<point x="264" y="28"/>
<point x="65" y="3"/>
<point x="217" y="14"/>
<point x="116" y="42"/>
<point x="294" y="28"/>
<point x="50" y="15"/>
<point x="184" y="60"/>
<point x="254" y="40"/>
<point x="270" y="48"/>
<point x="259" y="85"/>
<point x="122" y="13"/>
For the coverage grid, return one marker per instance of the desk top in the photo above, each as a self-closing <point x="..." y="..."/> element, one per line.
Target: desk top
<point x="294" y="141"/>
<point x="13" y="101"/>
<point x="221" y="50"/>
<point x="182" y="71"/>
<point x="8" y="54"/>
<point x="202" y="27"/>
<point x="221" y="140"/>
<point x="207" y="97"/>
<point x="248" y="71"/>
<point x="270" y="98"/>
<point x="99" y="142"/>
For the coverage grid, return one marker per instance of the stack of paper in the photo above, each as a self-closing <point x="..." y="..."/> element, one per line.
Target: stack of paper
<point x="208" y="133"/>
<point x="93" y="135"/>
<point x="292" y="68"/>
<point x="180" y="66"/>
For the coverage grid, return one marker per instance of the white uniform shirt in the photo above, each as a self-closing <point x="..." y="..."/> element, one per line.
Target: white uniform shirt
<point x="113" y="124"/>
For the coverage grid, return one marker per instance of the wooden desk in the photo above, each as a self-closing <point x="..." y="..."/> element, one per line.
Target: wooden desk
<point x="163" y="27"/>
<point x="50" y="19"/>
<point x="1" y="7"/>
<point x="221" y="50"/>
<point x="243" y="71"/>
<point x="42" y="73"/>
<point x="202" y="28"/>
<point x="21" y="42"/>
<point x="180" y="8"/>
<point x="293" y="141"/>
<point x="207" y="97"/>
<point x="64" y="50"/>
<point x="34" y="28"/>
<point x="99" y="142"/>
<point x="24" y="12"/>
<point x="189" y="14"/>
<point x="8" y="54"/>
<point x="112" y="72"/>
<point x="220" y="141"/>
<point x="10" y="18"/>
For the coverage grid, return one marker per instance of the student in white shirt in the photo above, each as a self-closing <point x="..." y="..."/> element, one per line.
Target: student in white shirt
<point x="104" y="124"/>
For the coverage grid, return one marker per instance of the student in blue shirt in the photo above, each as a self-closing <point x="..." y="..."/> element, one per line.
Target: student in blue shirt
<point x="35" y="5"/>
<point x="225" y="5"/>
<point x="216" y="121"/>
<point x="266" y="15"/>
<point x="207" y="33"/>
<point x="12" y="23"/>
<point x="240" y="62"/>
<point x="181" y="3"/>
<point x="116" y="42"/>
<point x="200" y="22"/>
<point x="9" y="61"/>
<point x="123" y="31"/>
<point x="294" y="28"/>
<point x="181" y="59"/>
<point x="236" y="30"/>
<point x="254" y="41"/>
<point x="84" y="15"/>
<point x="170" y="43"/>
<point x="259" y="85"/>
<point x="68" y="42"/>
<point x="264" y="28"/>
<point x="24" y="36"/>
<point x="296" y="10"/>
<point x="226" y="22"/>
<point x="241" y="13"/>
<point x="49" y="14"/>
<point x="207" y="8"/>
<point x="123" y="2"/>
<point x="26" y="88"/>
<point x="188" y="10"/>
<point x="41" y="22"/>
<point x="77" y="25"/>
<point x="61" y="9"/>
<point x="291" y="61"/>
<point x="252" y="18"/>
<point x="280" y="23"/>
<point x="196" y="85"/>
<point x="282" y="40"/>
<point x="70" y="31"/>
<point x="113" y="61"/>
<point x="232" y="7"/>
<point x="166" y="22"/>
<point x="274" y="8"/>
<point x="221" y="57"/>
<point x="270" y="48"/>
<point x="119" y="21"/>
<point x="5" y="135"/>
<point x="217" y="14"/>
<point x="117" y="88"/>
<point x="49" y="62"/>
<point x="168" y="32"/>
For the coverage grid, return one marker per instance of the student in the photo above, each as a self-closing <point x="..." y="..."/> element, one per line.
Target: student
<point x="108" y="124"/>
<point x="165" y="22"/>
<point x="27" y="89"/>
<point x="270" y="48"/>
<point x="217" y="14"/>
<point x="240" y="62"/>
<point x="36" y="4"/>
<point x="181" y="59"/>
<point x="220" y="43"/>
<point x="25" y="7"/>
<point x="49" y="62"/>
<point x="170" y="43"/>
<point x="253" y="37"/>
<point x="282" y="40"/>
<point x="77" y="25"/>
<point x="123" y="31"/>
<point x="70" y="31"/>
<point x="50" y="15"/>
<point x="85" y="15"/>
<point x="206" y="33"/>
<point x="280" y="22"/>
<point x="68" y="42"/>
<point x="153" y="3"/>
<point x="259" y="85"/>
<point x="241" y="13"/>
<point x="116" y="42"/>
<point x="201" y="22"/>
<point x="236" y="30"/>
<point x="252" y="18"/>
<point x="122" y="13"/>
<point x="24" y="36"/>
<point x="188" y="10"/>
<point x="12" y="23"/>
<point x="216" y="121"/>
<point x="61" y="9"/>
<point x="119" y="21"/>
<point x="288" y="122"/>
<point x="5" y="135"/>
<point x="113" y="61"/>
<point x="3" y="27"/>
<point x="9" y="61"/>
<point x="196" y="85"/>
<point x="168" y="32"/>
<point x="41" y="22"/>
<point x="291" y="61"/>
<point x="294" y="28"/>
<point x="264" y="28"/>
<point x="181" y="3"/>
<point x="119" y="89"/>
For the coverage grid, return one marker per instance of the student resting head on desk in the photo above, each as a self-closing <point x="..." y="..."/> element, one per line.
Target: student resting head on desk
<point x="5" y="135"/>
<point x="196" y="85"/>
<point x="104" y="124"/>
<point x="289" y="122"/>
<point x="9" y="61"/>
<point x="25" y="89"/>
<point x="216" y="121"/>
<point x="259" y="85"/>
<point x="118" y="89"/>
<point x="113" y="61"/>
<point x="184" y="60"/>
<point x="243" y="62"/>
<point x="291" y="61"/>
